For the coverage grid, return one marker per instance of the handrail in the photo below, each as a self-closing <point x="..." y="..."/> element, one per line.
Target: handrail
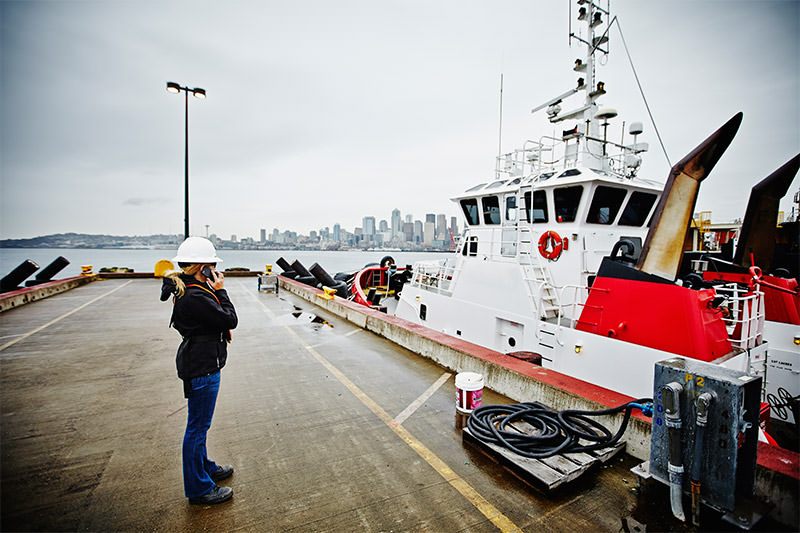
<point x="366" y="278"/>
<point x="516" y="163"/>
<point x="439" y="278"/>
<point x="745" y="324"/>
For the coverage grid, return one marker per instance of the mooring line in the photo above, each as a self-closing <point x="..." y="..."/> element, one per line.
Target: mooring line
<point x="65" y="315"/>
<point x="488" y="510"/>
<point x="408" y="411"/>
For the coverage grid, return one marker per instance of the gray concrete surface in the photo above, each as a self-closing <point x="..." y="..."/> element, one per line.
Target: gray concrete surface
<point x="93" y="418"/>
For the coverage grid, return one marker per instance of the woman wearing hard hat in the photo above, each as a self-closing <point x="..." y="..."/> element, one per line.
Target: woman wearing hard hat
<point x="203" y="315"/>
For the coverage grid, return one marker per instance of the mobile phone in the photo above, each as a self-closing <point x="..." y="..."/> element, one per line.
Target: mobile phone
<point x="206" y="271"/>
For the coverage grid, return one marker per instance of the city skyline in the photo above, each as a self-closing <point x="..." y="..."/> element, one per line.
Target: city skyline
<point x="397" y="230"/>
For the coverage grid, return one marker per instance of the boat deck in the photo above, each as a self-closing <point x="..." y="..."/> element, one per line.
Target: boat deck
<point x="329" y="428"/>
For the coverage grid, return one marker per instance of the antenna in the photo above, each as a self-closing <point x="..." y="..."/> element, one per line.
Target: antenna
<point x="500" y="133"/>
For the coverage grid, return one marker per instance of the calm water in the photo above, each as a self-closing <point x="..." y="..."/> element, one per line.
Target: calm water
<point x="144" y="260"/>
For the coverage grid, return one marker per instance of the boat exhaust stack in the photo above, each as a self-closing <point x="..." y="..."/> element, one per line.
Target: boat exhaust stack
<point x="759" y="231"/>
<point x="663" y="249"/>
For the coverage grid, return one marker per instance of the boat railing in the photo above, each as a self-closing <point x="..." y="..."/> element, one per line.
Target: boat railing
<point x="522" y="160"/>
<point x="570" y="302"/>
<point x="539" y="156"/>
<point x="371" y="277"/>
<point x="574" y="300"/>
<point x="435" y="276"/>
<point x="743" y="314"/>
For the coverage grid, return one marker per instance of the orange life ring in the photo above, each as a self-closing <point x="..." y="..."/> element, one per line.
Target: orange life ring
<point x="551" y="240"/>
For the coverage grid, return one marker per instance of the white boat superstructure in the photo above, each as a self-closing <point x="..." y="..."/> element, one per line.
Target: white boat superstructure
<point x="535" y="238"/>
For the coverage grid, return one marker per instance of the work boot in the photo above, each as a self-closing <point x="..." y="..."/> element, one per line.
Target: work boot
<point x="223" y="472"/>
<point x="217" y="495"/>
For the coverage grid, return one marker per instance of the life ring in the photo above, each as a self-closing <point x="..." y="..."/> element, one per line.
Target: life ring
<point x="551" y="240"/>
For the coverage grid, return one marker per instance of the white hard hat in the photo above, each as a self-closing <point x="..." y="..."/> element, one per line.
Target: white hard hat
<point x="197" y="250"/>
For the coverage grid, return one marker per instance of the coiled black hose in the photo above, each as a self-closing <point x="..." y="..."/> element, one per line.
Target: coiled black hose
<point x="558" y="431"/>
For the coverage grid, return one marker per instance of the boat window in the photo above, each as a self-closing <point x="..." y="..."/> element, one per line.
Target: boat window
<point x="495" y="185"/>
<point x="511" y="208"/>
<point x="491" y="210"/>
<point x="537" y="211"/>
<point x="605" y="205"/>
<point x="470" y="246"/>
<point x="570" y="172"/>
<point x="515" y="182"/>
<point x="546" y="175"/>
<point x="476" y="187"/>
<point x="470" y="208"/>
<point x="637" y="209"/>
<point x="566" y="201"/>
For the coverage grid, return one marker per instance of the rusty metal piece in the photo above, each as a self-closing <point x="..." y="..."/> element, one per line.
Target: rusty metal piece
<point x="663" y="248"/>
<point x="759" y="231"/>
<point x="695" y="487"/>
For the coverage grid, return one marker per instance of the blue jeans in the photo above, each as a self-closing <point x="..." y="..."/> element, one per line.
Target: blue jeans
<point x="196" y="465"/>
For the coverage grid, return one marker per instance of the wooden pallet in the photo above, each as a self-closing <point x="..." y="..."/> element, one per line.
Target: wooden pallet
<point x="549" y="473"/>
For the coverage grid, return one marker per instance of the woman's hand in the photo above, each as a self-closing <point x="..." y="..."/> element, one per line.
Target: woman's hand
<point x="219" y="280"/>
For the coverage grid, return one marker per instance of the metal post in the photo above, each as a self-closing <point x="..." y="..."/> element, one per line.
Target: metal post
<point x="176" y="88"/>
<point x="186" y="170"/>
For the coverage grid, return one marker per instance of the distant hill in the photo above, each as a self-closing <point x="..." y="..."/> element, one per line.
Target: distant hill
<point x="83" y="240"/>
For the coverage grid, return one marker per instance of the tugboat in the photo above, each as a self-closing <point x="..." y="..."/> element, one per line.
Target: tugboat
<point x="570" y="258"/>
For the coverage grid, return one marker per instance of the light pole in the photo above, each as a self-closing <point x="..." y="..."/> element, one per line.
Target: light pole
<point x="197" y="92"/>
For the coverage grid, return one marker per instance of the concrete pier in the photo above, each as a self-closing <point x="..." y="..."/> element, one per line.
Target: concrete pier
<point x="329" y="428"/>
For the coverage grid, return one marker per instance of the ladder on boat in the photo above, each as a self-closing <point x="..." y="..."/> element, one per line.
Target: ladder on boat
<point x="535" y="272"/>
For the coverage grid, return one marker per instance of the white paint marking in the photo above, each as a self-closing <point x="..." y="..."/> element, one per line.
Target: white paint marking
<point x="65" y="315"/>
<point x="408" y="411"/>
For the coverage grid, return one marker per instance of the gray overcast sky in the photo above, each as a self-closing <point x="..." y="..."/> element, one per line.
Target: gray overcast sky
<point x="321" y="112"/>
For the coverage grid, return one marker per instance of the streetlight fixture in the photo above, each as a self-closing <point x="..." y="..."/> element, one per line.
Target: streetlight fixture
<point x="197" y="92"/>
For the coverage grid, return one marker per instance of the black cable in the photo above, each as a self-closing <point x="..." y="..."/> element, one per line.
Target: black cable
<point x="555" y="432"/>
<point x="641" y="91"/>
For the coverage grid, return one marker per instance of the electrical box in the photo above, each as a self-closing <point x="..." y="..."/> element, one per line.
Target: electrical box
<point x="730" y="436"/>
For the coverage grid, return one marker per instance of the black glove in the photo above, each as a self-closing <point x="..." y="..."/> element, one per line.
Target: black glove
<point x="167" y="288"/>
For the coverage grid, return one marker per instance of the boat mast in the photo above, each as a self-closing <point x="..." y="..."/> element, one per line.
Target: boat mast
<point x="586" y="132"/>
<point x="500" y="132"/>
<point x="591" y="150"/>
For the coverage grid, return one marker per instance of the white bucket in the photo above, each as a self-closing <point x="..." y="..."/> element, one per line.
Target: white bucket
<point x="469" y="391"/>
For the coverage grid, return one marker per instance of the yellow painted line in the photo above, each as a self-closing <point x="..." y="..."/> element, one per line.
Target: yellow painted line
<point x="488" y="510"/>
<point x="65" y="315"/>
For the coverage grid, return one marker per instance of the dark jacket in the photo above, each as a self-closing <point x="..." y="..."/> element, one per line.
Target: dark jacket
<point x="204" y="318"/>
